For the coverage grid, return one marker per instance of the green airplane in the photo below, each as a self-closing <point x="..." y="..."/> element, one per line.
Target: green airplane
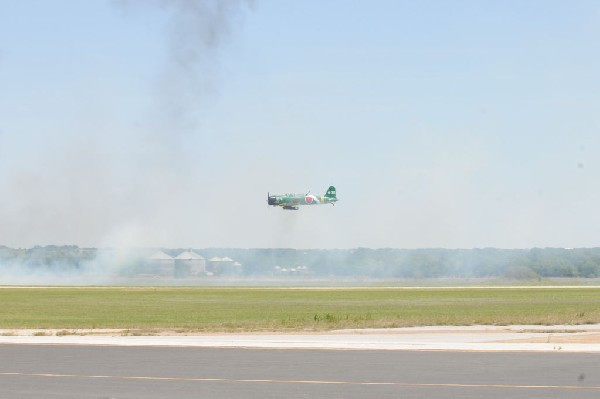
<point x="293" y="201"/>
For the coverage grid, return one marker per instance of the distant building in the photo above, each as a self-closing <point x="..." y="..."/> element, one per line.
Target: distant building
<point x="189" y="263"/>
<point x="226" y="265"/>
<point x="298" y="270"/>
<point x="160" y="263"/>
<point x="214" y="265"/>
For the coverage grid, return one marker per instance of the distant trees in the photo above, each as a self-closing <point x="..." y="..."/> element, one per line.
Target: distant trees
<point x="424" y="263"/>
<point x="377" y="263"/>
<point x="66" y="257"/>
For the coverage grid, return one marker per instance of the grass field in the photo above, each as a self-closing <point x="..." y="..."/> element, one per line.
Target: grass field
<point x="286" y="309"/>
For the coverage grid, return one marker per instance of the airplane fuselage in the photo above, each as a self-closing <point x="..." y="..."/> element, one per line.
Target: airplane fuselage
<point x="293" y="201"/>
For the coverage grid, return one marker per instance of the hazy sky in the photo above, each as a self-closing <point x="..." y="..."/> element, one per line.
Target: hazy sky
<point x="165" y="123"/>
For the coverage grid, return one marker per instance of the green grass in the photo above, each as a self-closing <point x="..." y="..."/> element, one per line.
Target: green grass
<point x="276" y="309"/>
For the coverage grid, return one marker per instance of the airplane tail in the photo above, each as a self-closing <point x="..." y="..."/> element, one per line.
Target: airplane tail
<point x="331" y="193"/>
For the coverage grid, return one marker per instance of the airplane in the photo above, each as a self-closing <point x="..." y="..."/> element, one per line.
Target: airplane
<point x="293" y="201"/>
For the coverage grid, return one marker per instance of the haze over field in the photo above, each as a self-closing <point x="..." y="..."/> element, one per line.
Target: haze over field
<point x="453" y="124"/>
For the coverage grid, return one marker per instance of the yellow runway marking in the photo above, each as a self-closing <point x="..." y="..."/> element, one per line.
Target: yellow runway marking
<point x="316" y="382"/>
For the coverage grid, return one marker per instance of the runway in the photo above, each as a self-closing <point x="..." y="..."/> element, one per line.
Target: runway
<point x="434" y="362"/>
<point x="68" y="371"/>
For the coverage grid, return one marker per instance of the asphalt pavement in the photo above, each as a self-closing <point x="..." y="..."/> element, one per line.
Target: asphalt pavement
<point x="422" y="362"/>
<point x="119" y="372"/>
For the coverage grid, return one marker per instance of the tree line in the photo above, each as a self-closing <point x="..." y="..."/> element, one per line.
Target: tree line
<point x="360" y="262"/>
